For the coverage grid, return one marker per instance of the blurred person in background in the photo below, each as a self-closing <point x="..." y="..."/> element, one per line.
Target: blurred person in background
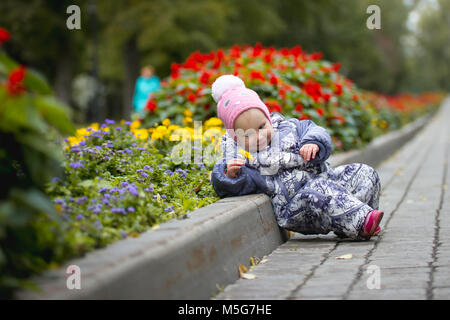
<point x="147" y="83"/>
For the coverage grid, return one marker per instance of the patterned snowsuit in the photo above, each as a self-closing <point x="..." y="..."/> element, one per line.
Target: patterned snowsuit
<point x="307" y="197"/>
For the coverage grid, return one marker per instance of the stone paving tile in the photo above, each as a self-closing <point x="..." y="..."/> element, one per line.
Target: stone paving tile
<point x="412" y="252"/>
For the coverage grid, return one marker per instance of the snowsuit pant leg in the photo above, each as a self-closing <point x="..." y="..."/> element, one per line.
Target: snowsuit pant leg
<point x="324" y="204"/>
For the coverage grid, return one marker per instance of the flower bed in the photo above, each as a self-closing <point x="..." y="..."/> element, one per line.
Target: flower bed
<point x="121" y="179"/>
<point x="289" y="81"/>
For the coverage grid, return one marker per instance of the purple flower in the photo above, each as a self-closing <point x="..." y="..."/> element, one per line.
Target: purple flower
<point x="76" y="165"/>
<point x="114" y="190"/>
<point x="124" y="184"/>
<point x="82" y="200"/>
<point x="128" y="150"/>
<point x="123" y="234"/>
<point x="118" y="210"/>
<point x="133" y="144"/>
<point x="133" y="190"/>
<point x="103" y="190"/>
<point x="150" y="189"/>
<point x="105" y="201"/>
<point x="109" y="121"/>
<point x="168" y="209"/>
<point x="59" y="201"/>
<point x="75" y="148"/>
<point x="131" y="209"/>
<point x="98" y="224"/>
<point x="163" y="196"/>
<point x="103" y="125"/>
<point x="144" y="174"/>
<point x="82" y="143"/>
<point x="128" y="123"/>
<point x="118" y="128"/>
<point x="79" y="217"/>
<point x="55" y="179"/>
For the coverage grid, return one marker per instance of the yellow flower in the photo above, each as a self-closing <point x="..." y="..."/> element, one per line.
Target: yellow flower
<point x="213" y="122"/>
<point x="246" y="154"/>
<point x="156" y="135"/>
<point x="188" y="113"/>
<point x="95" y="126"/>
<point x="141" y="134"/>
<point x="187" y="120"/>
<point x="162" y="130"/>
<point x="166" y="122"/>
<point x="173" y="127"/>
<point x="82" y="132"/>
<point x="73" y="141"/>
<point x="135" y="124"/>
<point x="383" y="124"/>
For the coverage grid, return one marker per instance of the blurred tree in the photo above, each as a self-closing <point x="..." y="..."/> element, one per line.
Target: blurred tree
<point x="40" y="38"/>
<point x="138" y="32"/>
<point x="430" y="69"/>
<point x="372" y="58"/>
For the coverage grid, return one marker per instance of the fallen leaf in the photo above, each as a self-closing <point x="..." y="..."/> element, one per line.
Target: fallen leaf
<point x="345" y="257"/>
<point x="156" y="227"/>
<point x="263" y="261"/>
<point x="248" y="276"/>
<point x="422" y="198"/>
<point x="243" y="273"/>
<point x="444" y="187"/>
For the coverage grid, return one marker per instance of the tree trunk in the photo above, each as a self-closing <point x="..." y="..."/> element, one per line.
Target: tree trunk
<point x="63" y="79"/>
<point x="131" y="72"/>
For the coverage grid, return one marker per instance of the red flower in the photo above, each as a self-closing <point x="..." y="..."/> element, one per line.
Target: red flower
<point x="175" y="70"/>
<point x="326" y="97"/>
<point x="204" y="78"/>
<point x="316" y="56"/>
<point x="313" y="89"/>
<point x="336" y="67"/>
<point x="151" y="105"/>
<point x="320" y="111"/>
<point x="273" y="80"/>
<point x="257" y="49"/>
<point x="282" y="93"/>
<point x="268" y="58"/>
<point x="355" y="97"/>
<point x="273" y="106"/>
<point x="235" y="52"/>
<point x="338" y="90"/>
<point x="257" y="75"/>
<point x="299" y="108"/>
<point x="14" y="83"/>
<point x="304" y="117"/>
<point x="191" y="97"/>
<point x="4" y="35"/>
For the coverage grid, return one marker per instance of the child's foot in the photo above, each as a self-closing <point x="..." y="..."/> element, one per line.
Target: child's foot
<point x="371" y="223"/>
<point x="377" y="231"/>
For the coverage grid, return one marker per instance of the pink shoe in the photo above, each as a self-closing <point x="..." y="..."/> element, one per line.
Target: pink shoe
<point x="371" y="223"/>
<point x="377" y="231"/>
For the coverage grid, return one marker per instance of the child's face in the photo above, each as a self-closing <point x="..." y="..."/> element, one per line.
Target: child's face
<point x="253" y="130"/>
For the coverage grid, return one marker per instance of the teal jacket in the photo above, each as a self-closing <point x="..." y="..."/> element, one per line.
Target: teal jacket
<point x="144" y="86"/>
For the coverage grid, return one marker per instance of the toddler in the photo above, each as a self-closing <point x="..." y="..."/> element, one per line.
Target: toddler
<point x="286" y="159"/>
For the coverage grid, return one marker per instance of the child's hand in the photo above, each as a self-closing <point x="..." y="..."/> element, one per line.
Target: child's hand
<point x="309" y="149"/>
<point x="233" y="167"/>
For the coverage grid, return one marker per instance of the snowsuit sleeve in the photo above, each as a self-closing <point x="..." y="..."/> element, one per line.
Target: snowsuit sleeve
<point x="309" y="132"/>
<point x="248" y="181"/>
<point x="269" y="162"/>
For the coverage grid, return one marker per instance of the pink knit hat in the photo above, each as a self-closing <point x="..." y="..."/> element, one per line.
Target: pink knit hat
<point x="233" y="98"/>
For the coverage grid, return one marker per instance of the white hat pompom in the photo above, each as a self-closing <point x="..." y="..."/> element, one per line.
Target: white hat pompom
<point x="223" y="83"/>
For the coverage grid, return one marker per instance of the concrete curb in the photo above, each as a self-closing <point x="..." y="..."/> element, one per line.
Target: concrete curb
<point x="191" y="258"/>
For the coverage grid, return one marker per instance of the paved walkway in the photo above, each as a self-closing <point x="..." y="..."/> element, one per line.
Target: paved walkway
<point x="411" y="255"/>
